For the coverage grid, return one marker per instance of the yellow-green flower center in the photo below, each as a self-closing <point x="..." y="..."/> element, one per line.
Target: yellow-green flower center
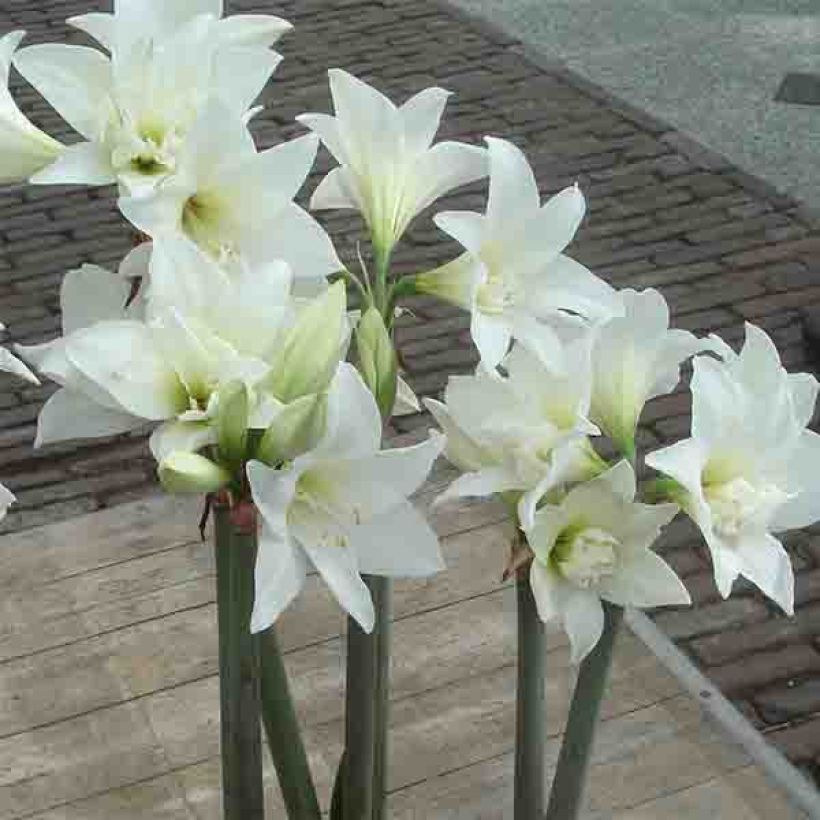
<point x="587" y="556"/>
<point x="736" y="504"/>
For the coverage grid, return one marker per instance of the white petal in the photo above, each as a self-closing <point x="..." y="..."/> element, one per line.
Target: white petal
<point x="682" y="461"/>
<point x="481" y="484"/>
<point x="123" y="359"/>
<point x="554" y="226"/>
<point x="86" y="163"/>
<point x="185" y="436"/>
<point x="75" y="80"/>
<point x="620" y="480"/>
<point x="804" y="388"/>
<point x="549" y="590"/>
<point x="240" y="74"/>
<point x="399" y="544"/>
<point x="420" y="116"/>
<point x="407" y="402"/>
<point x="548" y="524"/>
<point x="70" y="415"/>
<point x="644" y="579"/>
<point x="716" y="400"/>
<point x="584" y="622"/>
<point x="336" y="190"/>
<point x="465" y="227"/>
<point x="136" y="263"/>
<point x="447" y="165"/>
<point x="279" y="172"/>
<point x="326" y="128"/>
<point x="253" y="29"/>
<point x="91" y="294"/>
<point x="339" y="569"/>
<point x="99" y="25"/>
<point x="11" y="364"/>
<point x="513" y="189"/>
<point x="766" y="564"/>
<point x="273" y="491"/>
<point x="460" y="449"/>
<point x="281" y="568"/>
<point x="6" y="500"/>
<point x="726" y="566"/>
<point x="803" y="478"/>
<point x="491" y="336"/>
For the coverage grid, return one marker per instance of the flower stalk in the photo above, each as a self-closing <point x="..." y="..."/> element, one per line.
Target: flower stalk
<point x="530" y="712"/>
<point x="235" y="546"/>
<point x="573" y="761"/>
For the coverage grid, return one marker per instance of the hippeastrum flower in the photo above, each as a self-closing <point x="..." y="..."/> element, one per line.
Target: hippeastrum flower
<point x="524" y="433"/>
<point x="388" y="170"/>
<point x="235" y="202"/>
<point x="134" y="109"/>
<point x="24" y="148"/>
<point x="636" y="357"/>
<point x="149" y="20"/>
<point x="750" y="466"/>
<point x="514" y="272"/>
<point x="342" y="508"/>
<point x="594" y="546"/>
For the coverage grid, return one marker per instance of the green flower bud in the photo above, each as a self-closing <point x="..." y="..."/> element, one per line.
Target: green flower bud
<point x="312" y="349"/>
<point x="232" y="422"/>
<point x="377" y="360"/>
<point x="184" y="472"/>
<point x="297" y="429"/>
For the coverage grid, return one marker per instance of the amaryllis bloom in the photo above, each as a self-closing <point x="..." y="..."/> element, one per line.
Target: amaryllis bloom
<point x="523" y="433"/>
<point x="24" y="148"/>
<point x="596" y="545"/>
<point x="514" y="272"/>
<point x="236" y="203"/>
<point x="134" y="108"/>
<point x="636" y="357"/>
<point x="750" y="466"/>
<point x="388" y="170"/>
<point x="343" y="509"/>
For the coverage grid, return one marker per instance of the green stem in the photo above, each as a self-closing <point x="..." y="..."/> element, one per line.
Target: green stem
<point x="284" y="737"/>
<point x="366" y="710"/>
<point x="243" y="797"/>
<point x="570" y="774"/>
<point x="530" y="706"/>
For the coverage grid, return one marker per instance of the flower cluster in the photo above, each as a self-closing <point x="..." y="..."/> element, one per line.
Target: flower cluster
<point x="224" y="333"/>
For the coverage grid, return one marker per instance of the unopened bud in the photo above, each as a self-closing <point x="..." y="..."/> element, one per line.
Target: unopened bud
<point x="295" y="430"/>
<point x="376" y="359"/>
<point x="232" y="422"/>
<point x="184" y="472"/>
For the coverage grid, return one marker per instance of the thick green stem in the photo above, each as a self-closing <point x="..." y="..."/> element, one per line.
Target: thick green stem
<point x="570" y="775"/>
<point x="530" y="706"/>
<point x="366" y="709"/>
<point x="284" y="737"/>
<point x="243" y="797"/>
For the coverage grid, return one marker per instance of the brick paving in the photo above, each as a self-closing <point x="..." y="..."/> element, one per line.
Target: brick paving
<point x="664" y="212"/>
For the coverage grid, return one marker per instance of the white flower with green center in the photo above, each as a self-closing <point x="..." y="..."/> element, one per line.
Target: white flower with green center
<point x="389" y="170"/>
<point x="636" y="357"/>
<point x="750" y="466"/>
<point x="514" y="275"/>
<point x="596" y="545"/>
<point x="236" y="203"/>
<point x="342" y="508"/>
<point x="135" y="107"/>
<point x="523" y="433"/>
<point x="24" y="148"/>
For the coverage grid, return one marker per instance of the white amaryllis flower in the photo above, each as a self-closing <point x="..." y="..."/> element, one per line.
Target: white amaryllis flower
<point x="149" y="20"/>
<point x="388" y="170"/>
<point x="636" y="357"/>
<point x="596" y="545"/>
<point x="202" y="329"/>
<point x="135" y="108"/>
<point x="342" y="508"/>
<point x="24" y="148"/>
<point x="750" y="466"/>
<point x="514" y="272"/>
<point x="525" y="433"/>
<point x="237" y="203"/>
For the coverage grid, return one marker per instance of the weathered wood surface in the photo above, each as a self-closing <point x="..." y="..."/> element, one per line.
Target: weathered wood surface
<point x="109" y="700"/>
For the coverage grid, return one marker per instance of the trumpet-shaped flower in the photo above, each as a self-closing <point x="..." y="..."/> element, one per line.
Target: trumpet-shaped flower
<point x="342" y="508"/>
<point x="524" y="433"/>
<point x="750" y="466"/>
<point x="636" y="357"/>
<point x="596" y="545"/>
<point x="135" y="108"/>
<point x="24" y="148"/>
<point x="514" y="272"/>
<point x="235" y="202"/>
<point x="388" y="170"/>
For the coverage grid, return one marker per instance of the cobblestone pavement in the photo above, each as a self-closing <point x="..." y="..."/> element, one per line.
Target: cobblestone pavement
<point x="722" y="246"/>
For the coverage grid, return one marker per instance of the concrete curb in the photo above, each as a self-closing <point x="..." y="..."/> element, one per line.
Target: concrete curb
<point x="784" y="774"/>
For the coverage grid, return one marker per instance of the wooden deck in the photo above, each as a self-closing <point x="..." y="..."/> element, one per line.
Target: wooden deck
<point x="108" y="694"/>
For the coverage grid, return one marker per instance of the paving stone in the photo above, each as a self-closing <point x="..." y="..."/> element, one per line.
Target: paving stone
<point x="681" y="624"/>
<point x="800" y="743"/>
<point x="780" y="704"/>
<point x="762" y="668"/>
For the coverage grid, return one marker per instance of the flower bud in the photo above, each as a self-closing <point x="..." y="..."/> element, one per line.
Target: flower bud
<point x="297" y="429"/>
<point x="312" y="348"/>
<point x="232" y="422"/>
<point x="377" y="360"/>
<point x="184" y="472"/>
